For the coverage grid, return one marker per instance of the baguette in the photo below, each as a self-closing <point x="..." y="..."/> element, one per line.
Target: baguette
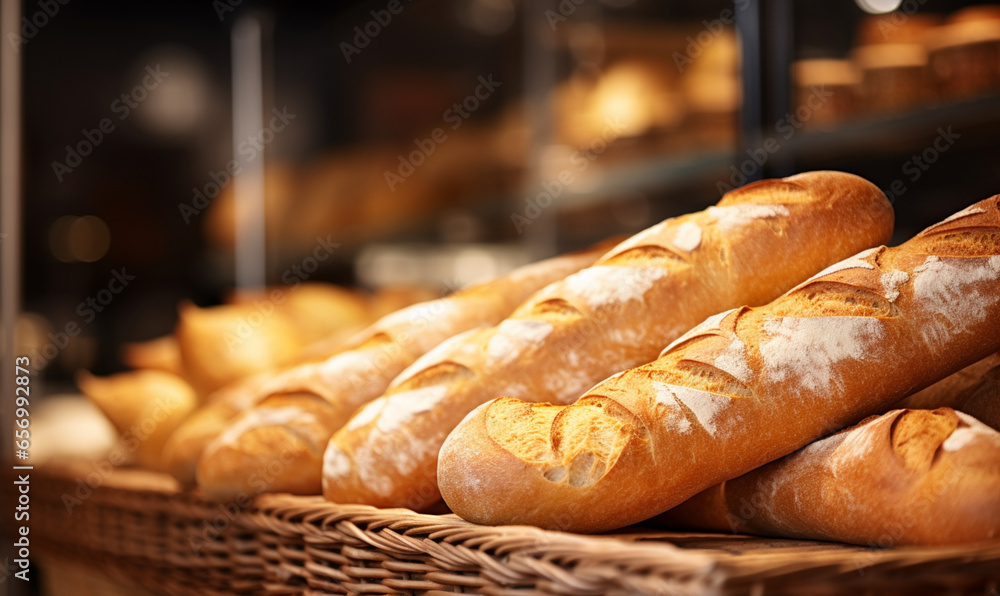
<point x="954" y="390"/>
<point x="761" y="240"/>
<point x="293" y="414"/>
<point x="908" y="477"/>
<point x="742" y="389"/>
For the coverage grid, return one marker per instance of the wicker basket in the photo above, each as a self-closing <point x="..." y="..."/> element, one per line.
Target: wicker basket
<point x="138" y="528"/>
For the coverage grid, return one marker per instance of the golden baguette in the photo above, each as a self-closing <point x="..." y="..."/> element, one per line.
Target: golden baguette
<point x="742" y="389"/>
<point x="923" y="477"/>
<point x="953" y="390"/>
<point x="758" y="242"/>
<point x="283" y="428"/>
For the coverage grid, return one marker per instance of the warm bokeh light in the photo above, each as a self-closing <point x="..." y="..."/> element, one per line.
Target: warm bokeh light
<point x="73" y="239"/>
<point x="878" y="6"/>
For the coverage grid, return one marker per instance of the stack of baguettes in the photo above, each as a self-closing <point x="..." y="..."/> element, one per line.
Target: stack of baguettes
<point x="752" y="385"/>
<point x="704" y="427"/>
<point x="758" y="242"/>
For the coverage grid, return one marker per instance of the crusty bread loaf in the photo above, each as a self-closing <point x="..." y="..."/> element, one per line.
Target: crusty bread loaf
<point x="185" y="445"/>
<point x="761" y="240"/>
<point x="742" y="389"/>
<point x="905" y="477"/>
<point x="953" y="390"/>
<point x="286" y="432"/>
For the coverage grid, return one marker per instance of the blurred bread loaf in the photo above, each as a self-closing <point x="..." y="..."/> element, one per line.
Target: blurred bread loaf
<point x="145" y="407"/>
<point x="221" y="344"/>
<point x="297" y="411"/>
<point x="161" y="353"/>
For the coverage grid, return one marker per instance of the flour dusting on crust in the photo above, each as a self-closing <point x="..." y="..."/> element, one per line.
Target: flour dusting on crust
<point x="421" y="312"/>
<point x="705" y="406"/>
<point x="807" y="349"/>
<point x="675" y="419"/>
<point x="609" y="285"/>
<point x="367" y="414"/>
<point x="643" y="238"/>
<point x="960" y="437"/>
<point x="336" y="464"/>
<point x="730" y="217"/>
<point x="892" y="281"/>
<point x="734" y="361"/>
<point x="954" y="291"/>
<point x="400" y="408"/>
<point x="346" y="368"/>
<point x="963" y="435"/>
<point x="512" y="337"/>
<point x="687" y="237"/>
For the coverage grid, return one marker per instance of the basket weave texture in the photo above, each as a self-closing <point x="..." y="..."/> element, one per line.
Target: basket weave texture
<point x="140" y="529"/>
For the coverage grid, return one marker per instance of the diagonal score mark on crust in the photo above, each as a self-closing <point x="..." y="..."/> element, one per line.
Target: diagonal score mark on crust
<point x="834" y="299"/>
<point x="576" y="444"/>
<point x="443" y="373"/>
<point x="767" y="192"/>
<point x="917" y="435"/>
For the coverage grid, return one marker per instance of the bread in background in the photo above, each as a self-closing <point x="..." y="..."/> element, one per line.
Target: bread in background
<point x="222" y="344"/>
<point x="145" y="406"/>
<point x="161" y="353"/>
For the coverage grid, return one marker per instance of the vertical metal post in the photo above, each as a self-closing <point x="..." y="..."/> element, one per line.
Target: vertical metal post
<point x="766" y="44"/>
<point x="248" y="184"/>
<point x="779" y="54"/>
<point x="748" y="24"/>
<point x="541" y="237"/>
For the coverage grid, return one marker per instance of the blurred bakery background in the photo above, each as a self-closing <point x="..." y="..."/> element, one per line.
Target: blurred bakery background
<point x="189" y="153"/>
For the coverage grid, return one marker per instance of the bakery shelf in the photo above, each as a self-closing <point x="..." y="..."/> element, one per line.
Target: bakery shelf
<point x="139" y="529"/>
<point x="908" y="131"/>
